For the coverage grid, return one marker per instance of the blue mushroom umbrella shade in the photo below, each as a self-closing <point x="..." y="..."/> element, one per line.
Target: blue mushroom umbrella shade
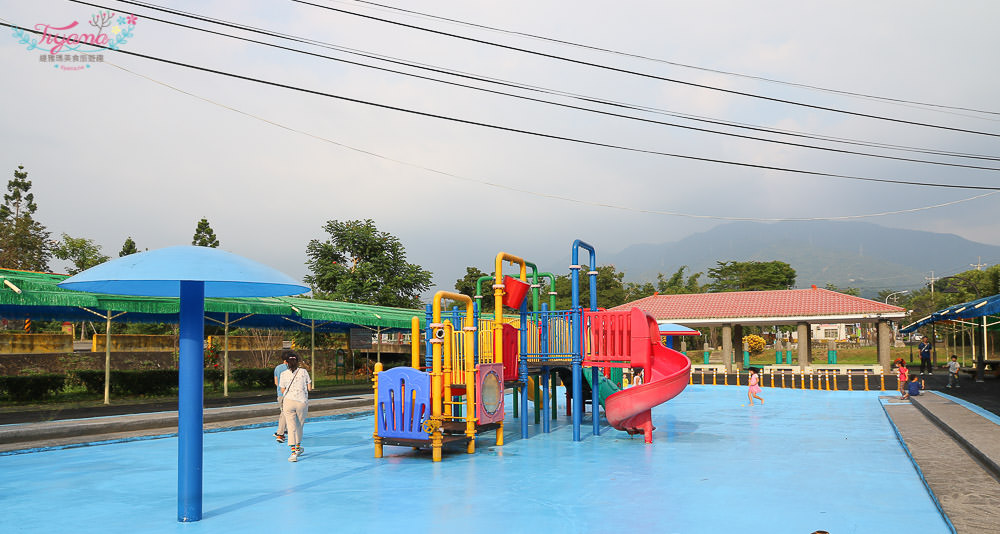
<point x="190" y="273"/>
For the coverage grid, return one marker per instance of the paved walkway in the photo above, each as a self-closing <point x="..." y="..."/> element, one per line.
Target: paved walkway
<point x="956" y="450"/>
<point x="69" y="432"/>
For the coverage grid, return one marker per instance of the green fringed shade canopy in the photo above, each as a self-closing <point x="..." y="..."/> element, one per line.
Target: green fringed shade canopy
<point x="41" y="299"/>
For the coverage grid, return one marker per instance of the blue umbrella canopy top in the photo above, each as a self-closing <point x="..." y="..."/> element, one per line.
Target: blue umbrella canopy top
<point x="159" y="273"/>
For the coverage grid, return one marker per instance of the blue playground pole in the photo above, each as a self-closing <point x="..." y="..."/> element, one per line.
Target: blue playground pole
<point x="578" y="328"/>
<point x="475" y="321"/>
<point x="523" y="368"/>
<point x="594" y="389"/>
<point x="595" y="400"/>
<point x="190" y="396"/>
<point x="428" y="351"/>
<point x="543" y="349"/>
<point x="546" y="408"/>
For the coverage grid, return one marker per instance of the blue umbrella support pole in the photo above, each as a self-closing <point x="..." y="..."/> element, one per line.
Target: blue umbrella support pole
<point x="190" y="401"/>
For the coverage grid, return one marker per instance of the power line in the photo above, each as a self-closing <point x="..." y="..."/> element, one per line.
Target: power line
<point x="531" y="132"/>
<point x="647" y="75"/>
<point x="519" y="85"/>
<point x="674" y="63"/>
<point x="537" y="193"/>
<point x="532" y="99"/>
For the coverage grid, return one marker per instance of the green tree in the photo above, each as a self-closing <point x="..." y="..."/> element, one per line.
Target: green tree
<point x="638" y="290"/>
<point x="750" y="276"/>
<point x="84" y="253"/>
<point x="677" y="284"/>
<point x="24" y="242"/>
<point x="467" y="284"/>
<point x="845" y="290"/>
<point x="204" y="236"/>
<point x="358" y="263"/>
<point x="610" y="289"/>
<point x="128" y="248"/>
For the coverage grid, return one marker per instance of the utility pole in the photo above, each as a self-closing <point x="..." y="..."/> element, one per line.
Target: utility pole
<point x="978" y="265"/>
<point x="932" y="279"/>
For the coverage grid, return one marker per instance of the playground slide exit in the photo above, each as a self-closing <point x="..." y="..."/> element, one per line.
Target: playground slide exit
<point x="667" y="375"/>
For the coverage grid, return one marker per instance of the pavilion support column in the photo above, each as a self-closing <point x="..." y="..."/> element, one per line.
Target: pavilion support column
<point x="738" y="345"/>
<point x="804" y="341"/>
<point x="884" y="334"/>
<point x="727" y="347"/>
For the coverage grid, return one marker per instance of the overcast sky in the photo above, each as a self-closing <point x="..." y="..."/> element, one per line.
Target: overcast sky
<point x="116" y="153"/>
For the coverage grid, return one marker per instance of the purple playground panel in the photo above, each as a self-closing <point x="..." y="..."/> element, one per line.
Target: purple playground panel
<point x="404" y="403"/>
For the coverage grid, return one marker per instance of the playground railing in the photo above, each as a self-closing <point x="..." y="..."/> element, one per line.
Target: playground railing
<point x="827" y="378"/>
<point x="607" y="338"/>
<point x="548" y="336"/>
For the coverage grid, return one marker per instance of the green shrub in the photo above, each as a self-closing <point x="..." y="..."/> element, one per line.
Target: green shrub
<point x="253" y="378"/>
<point x="92" y="380"/>
<point x="34" y="387"/>
<point x="148" y="382"/>
<point x="213" y="378"/>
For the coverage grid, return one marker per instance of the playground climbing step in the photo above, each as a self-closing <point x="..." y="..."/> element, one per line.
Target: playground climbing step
<point x="75" y="431"/>
<point x="978" y="435"/>
<point x="966" y="491"/>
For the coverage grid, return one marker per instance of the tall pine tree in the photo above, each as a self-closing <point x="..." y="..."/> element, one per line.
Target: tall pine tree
<point x="128" y="248"/>
<point x="204" y="236"/>
<point x="24" y="242"/>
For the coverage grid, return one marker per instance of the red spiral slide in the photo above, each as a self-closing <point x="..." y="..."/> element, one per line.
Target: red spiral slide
<point x="665" y="371"/>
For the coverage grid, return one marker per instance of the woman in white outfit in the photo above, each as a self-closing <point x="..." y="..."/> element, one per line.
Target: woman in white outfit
<point x="295" y="385"/>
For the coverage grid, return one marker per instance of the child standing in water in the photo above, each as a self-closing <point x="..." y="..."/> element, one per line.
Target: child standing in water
<point x="903" y="375"/>
<point x="754" y="389"/>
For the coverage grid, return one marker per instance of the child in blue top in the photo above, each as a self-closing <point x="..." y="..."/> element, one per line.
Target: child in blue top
<point x="913" y="387"/>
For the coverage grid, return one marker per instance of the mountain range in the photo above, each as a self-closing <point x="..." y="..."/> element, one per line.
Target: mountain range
<point x="866" y="256"/>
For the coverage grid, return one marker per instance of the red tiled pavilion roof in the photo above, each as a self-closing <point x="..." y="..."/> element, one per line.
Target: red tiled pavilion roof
<point x="765" y="307"/>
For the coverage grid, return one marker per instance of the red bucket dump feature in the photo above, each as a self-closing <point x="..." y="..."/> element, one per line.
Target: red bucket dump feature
<point x="514" y="292"/>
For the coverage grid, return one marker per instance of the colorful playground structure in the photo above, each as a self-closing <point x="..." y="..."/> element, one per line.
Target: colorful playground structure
<point x="457" y="391"/>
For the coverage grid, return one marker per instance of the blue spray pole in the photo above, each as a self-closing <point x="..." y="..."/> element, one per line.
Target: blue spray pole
<point x="190" y="397"/>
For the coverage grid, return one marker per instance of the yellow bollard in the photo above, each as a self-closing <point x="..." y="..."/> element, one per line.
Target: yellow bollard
<point x="725" y="378"/>
<point x="828" y="374"/>
<point x="702" y="373"/>
<point x="882" y="387"/>
<point x="850" y="383"/>
<point x="835" y="381"/>
<point x="737" y="377"/>
<point x="715" y="372"/>
<point x="782" y="379"/>
<point x="866" y="381"/>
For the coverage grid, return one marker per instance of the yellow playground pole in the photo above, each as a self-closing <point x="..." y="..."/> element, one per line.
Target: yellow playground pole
<point x="471" y="419"/>
<point x="498" y="301"/>
<point x="415" y="342"/>
<point x="437" y="417"/>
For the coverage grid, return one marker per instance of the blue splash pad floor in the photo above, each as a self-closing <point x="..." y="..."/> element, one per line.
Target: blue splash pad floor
<point x="807" y="460"/>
